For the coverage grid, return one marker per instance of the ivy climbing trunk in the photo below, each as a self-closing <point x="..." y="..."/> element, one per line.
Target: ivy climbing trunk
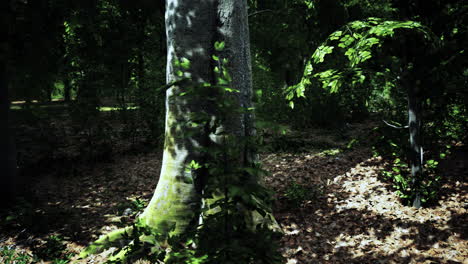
<point x="192" y="27"/>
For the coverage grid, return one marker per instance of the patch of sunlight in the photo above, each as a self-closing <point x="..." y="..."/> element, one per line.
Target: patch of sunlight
<point x="329" y="152"/>
<point x="15" y="107"/>
<point x="23" y="102"/>
<point x="110" y="108"/>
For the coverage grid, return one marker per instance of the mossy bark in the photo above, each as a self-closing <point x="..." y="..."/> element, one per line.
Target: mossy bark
<point x="192" y="27"/>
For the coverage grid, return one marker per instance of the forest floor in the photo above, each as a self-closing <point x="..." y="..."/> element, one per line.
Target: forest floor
<point x="330" y="202"/>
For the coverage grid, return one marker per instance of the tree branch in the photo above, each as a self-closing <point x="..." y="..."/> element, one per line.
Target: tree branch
<point x="397" y="127"/>
<point x="259" y="12"/>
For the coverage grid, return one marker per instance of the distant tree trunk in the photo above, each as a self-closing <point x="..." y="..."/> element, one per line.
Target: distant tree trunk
<point x="67" y="89"/>
<point x="141" y="69"/>
<point x="7" y="143"/>
<point x="416" y="150"/>
<point x="49" y="90"/>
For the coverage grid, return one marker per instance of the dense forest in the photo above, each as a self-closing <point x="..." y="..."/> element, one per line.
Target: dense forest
<point x="233" y="131"/>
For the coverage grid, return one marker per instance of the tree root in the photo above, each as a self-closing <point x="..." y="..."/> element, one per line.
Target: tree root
<point x="125" y="238"/>
<point x="106" y="241"/>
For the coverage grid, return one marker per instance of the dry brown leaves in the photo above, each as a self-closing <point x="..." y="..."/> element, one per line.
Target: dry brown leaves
<point x="356" y="219"/>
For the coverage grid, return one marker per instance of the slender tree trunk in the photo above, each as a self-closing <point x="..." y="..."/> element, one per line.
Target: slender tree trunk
<point x="67" y="89"/>
<point x="50" y="90"/>
<point x="416" y="150"/>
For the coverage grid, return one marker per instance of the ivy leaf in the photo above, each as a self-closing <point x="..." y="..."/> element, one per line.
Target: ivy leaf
<point x="219" y="46"/>
<point x="185" y="63"/>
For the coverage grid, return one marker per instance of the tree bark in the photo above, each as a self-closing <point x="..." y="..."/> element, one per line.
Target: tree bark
<point x="67" y="89"/>
<point x="192" y="27"/>
<point x="416" y="150"/>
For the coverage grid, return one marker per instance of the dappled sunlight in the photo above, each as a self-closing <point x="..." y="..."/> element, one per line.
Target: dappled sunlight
<point x="346" y="213"/>
<point x="113" y="108"/>
<point x="358" y="219"/>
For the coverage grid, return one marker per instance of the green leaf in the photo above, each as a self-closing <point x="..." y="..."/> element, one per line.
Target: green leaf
<point x="320" y="53"/>
<point x="364" y="55"/>
<point x="334" y="85"/>
<point x="336" y="35"/>
<point x="219" y="46"/>
<point x="345" y="41"/>
<point x="350" y="53"/>
<point x="185" y="63"/>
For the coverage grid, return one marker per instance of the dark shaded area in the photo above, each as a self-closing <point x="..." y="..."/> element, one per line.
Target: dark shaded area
<point x="454" y="172"/>
<point x="72" y="187"/>
<point x="8" y="175"/>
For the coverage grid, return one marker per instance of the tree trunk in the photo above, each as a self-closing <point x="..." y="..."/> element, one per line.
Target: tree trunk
<point x="192" y="27"/>
<point x="7" y="143"/>
<point x="67" y="89"/>
<point x="416" y="150"/>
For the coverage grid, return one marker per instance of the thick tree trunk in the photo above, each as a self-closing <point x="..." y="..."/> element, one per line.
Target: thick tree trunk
<point x="192" y="27"/>
<point x="416" y="150"/>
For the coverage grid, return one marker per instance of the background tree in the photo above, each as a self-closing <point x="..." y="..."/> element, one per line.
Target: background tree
<point x="354" y="71"/>
<point x="7" y="140"/>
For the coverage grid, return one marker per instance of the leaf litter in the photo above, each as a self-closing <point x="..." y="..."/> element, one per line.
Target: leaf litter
<point x="348" y="214"/>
